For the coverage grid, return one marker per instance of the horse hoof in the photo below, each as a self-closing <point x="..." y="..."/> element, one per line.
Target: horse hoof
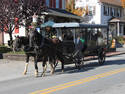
<point x="36" y="74"/>
<point x="62" y="71"/>
<point x="52" y="73"/>
<point x="42" y="75"/>
<point x="24" y="73"/>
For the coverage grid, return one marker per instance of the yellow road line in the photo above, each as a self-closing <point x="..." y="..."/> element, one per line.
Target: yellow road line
<point x="77" y="82"/>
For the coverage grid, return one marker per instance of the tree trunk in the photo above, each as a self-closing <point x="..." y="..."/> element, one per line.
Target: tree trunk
<point x="10" y="42"/>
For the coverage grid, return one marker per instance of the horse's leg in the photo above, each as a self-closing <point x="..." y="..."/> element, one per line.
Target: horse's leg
<point x="62" y="66"/>
<point x="52" y="66"/>
<point x="44" y="67"/>
<point x="26" y="65"/>
<point x="61" y="58"/>
<point x="36" y="67"/>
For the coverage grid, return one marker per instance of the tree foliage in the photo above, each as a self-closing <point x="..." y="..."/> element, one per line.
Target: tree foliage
<point x="79" y="11"/>
<point x="13" y="13"/>
<point x="31" y="7"/>
<point x="123" y="3"/>
<point x="9" y="12"/>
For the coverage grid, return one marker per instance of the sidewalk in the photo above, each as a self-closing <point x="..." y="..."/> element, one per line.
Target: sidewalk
<point x="118" y="52"/>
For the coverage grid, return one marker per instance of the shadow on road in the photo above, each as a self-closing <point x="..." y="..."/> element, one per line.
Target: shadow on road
<point x="89" y="66"/>
<point x="1" y="56"/>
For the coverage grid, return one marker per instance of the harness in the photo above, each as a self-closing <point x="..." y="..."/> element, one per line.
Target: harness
<point x="42" y="42"/>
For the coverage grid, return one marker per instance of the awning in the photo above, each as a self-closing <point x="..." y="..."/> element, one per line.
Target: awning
<point x="47" y="24"/>
<point x="61" y="13"/>
<point x="114" y="20"/>
<point x="61" y="25"/>
<point x="78" y="25"/>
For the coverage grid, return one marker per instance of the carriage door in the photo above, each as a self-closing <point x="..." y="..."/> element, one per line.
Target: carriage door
<point x="59" y="34"/>
<point x="102" y="37"/>
<point x="68" y="40"/>
<point x="91" y="39"/>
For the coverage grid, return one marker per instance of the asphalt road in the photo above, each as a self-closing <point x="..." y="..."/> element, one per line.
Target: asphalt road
<point x="93" y="79"/>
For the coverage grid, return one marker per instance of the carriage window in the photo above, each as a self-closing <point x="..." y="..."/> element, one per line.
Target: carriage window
<point x="67" y="34"/>
<point x="83" y="32"/>
<point x="94" y="34"/>
<point x="104" y="34"/>
<point x="89" y="34"/>
<point x="59" y="34"/>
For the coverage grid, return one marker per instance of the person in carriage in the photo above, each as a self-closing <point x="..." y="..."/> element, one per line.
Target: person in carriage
<point x="79" y="47"/>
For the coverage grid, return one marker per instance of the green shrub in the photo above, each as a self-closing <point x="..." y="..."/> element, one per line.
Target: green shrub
<point x="4" y="49"/>
<point x="19" y="52"/>
<point x="120" y="39"/>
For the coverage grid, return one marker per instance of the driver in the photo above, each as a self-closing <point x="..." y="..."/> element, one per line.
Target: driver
<point x="49" y="32"/>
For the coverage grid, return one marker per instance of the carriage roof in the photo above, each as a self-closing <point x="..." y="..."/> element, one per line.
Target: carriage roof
<point x="78" y="25"/>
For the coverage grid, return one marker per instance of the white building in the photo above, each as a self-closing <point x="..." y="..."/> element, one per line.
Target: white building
<point x="21" y="32"/>
<point x="104" y="12"/>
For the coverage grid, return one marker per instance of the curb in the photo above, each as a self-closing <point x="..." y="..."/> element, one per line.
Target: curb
<point x="114" y="53"/>
<point x="109" y="54"/>
<point x="1" y="55"/>
<point x="22" y="57"/>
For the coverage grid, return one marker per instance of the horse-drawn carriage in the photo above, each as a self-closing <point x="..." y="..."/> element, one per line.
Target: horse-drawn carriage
<point x="95" y="40"/>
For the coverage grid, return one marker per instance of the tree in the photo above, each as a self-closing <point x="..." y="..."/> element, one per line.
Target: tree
<point x="79" y="11"/>
<point x="70" y="6"/>
<point x="31" y="7"/>
<point x="13" y="13"/>
<point x="123" y="5"/>
<point x="9" y="13"/>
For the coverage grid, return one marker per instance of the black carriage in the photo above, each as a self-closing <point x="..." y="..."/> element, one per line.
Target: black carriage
<point x="95" y="36"/>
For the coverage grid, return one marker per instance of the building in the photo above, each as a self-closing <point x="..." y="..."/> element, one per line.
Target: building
<point x="57" y="11"/>
<point x="55" y="3"/>
<point x="21" y="32"/>
<point x="104" y="12"/>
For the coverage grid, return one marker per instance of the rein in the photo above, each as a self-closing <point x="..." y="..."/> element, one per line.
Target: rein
<point x="42" y="42"/>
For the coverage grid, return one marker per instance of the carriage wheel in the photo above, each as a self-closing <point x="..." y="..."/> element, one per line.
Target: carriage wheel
<point x="79" y="63"/>
<point x="101" y="58"/>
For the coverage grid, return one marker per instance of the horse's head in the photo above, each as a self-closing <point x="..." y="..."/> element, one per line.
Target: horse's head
<point x="34" y="38"/>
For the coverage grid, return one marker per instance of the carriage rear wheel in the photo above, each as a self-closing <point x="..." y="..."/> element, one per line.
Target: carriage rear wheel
<point x="101" y="57"/>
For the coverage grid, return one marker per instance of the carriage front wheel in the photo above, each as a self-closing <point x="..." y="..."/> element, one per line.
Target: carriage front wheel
<point x="101" y="57"/>
<point x="79" y="63"/>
